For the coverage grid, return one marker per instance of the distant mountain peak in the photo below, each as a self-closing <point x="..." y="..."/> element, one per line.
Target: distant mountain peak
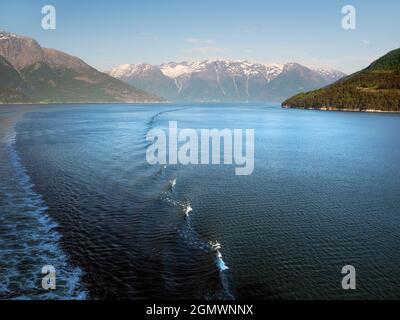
<point x="128" y="70"/>
<point x="223" y="79"/>
<point x="290" y="65"/>
<point x="330" y="73"/>
<point x="174" y="70"/>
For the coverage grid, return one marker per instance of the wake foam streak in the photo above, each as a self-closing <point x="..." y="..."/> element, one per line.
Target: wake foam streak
<point x="28" y="236"/>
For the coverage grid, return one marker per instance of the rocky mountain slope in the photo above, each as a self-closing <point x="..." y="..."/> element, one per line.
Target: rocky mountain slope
<point x="224" y="80"/>
<point x="30" y="73"/>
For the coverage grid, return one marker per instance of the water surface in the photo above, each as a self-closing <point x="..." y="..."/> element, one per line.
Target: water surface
<point x="325" y="193"/>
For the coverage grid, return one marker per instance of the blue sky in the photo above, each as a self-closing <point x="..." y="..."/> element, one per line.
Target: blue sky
<point x="109" y="33"/>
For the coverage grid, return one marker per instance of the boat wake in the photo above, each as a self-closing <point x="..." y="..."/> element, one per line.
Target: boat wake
<point x="188" y="209"/>
<point x="153" y="119"/>
<point x="186" y="230"/>
<point x="216" y="247"/>
<point x="188" y="233"/>
<point x="222" y="267"/>
<point x="28" y="236"/>
<point x="172" y="184"/>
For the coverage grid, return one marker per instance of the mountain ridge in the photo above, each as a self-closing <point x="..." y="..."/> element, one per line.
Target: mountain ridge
<point x="30" y="73"/>
<point x="222" y="80"/>
<point x="375" y="88"/>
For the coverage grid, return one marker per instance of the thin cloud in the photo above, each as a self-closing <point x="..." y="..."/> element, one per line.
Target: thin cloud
<point x="199" y="41"/>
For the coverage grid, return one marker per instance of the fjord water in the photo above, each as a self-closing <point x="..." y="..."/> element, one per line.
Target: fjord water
<point x="76" y="192"/>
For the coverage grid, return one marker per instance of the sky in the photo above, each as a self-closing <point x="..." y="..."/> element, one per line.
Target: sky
<point x="109" y="33"/>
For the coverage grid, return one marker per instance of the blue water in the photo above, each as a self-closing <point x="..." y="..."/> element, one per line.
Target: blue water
<point x="28" y="236"/>
<point x="325" y="192"/>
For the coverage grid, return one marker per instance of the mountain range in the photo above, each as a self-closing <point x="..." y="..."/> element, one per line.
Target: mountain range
<point x="224" y="80"/>
<point x="376" y="88"/>
<point x="32" y="74"/>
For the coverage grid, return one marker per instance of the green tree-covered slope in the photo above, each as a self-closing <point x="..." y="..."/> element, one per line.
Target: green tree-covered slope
<point x="376" y="88"/>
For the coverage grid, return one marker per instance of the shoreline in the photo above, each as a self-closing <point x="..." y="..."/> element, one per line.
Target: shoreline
<point x="341" y="110"/>
<point x="135" y="103"/>
<point x="171" y="102"/>
<point x="62" y="103"/>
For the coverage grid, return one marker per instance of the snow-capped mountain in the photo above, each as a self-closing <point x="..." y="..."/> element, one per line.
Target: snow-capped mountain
<point x="224" y="80"/>
<point x="233" y="68"/>
<point x="129" y="70"/>
<point x="330" y="74"/>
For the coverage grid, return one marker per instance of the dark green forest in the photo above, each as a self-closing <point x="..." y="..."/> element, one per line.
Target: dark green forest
<point x="374" y="88"/>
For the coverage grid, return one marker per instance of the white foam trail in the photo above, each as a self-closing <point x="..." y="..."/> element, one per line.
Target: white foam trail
<point x="215" y="245"/>
<point x="188" y="210"/>
<point x="221" y="263"/>
<point x="36" y="239"/>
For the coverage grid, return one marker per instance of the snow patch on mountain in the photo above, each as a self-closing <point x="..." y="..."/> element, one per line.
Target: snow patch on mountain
<point x="330" y="74"/>
<point x="224" y="80"/>
<point x="129" y="70"/>
<point x="175" y="70"/>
